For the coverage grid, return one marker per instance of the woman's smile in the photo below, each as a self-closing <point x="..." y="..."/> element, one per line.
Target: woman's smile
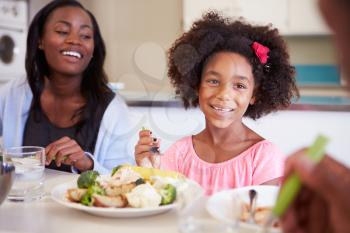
<point x="75" y="54"/>
<point x="68" y="32"/>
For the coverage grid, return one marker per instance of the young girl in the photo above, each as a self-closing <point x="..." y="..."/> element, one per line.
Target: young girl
<point x="230" y="70"/>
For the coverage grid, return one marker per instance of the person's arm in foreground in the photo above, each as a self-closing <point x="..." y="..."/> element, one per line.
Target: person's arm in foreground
<point x="323" y="204"/>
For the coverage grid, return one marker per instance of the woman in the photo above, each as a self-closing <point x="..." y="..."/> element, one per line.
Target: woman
<point x="65" y="104"/>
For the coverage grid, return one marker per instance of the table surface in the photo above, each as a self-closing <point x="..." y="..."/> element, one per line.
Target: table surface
<point x="48" y="216"/>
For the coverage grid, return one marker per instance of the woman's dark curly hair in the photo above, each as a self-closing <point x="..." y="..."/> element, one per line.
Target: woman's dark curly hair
<point x="94" y="83"/>
<point x="274" y="81"/>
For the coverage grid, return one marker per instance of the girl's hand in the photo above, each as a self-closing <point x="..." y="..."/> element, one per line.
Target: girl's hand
<point x="146" y="150"/>
<point x="67" y="151"/>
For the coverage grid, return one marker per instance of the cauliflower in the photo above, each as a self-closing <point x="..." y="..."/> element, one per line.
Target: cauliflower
<point x="143" y="196"/>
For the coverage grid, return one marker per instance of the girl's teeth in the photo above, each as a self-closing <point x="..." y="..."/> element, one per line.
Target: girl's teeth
<point x="72" y="53"/>
<point x="222" y="109"/>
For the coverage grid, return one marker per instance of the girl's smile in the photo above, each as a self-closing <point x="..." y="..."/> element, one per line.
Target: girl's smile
<point x="226" y="89"/>
<point x="221" y="112"/>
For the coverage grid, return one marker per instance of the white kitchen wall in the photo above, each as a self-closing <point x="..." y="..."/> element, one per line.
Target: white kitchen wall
<point x="290" y="130"/>
<point x="128" y="25"/>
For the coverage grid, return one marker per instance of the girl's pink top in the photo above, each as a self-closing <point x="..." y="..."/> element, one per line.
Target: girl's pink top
<point x="260" y="163"/>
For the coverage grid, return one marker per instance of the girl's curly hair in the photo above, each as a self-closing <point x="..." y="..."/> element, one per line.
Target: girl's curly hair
<point x="275" y="80"/>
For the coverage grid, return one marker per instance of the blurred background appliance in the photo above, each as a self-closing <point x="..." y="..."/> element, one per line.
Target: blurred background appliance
<point x="13" y="33"/>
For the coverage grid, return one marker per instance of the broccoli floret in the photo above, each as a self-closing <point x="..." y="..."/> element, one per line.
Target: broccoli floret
<point x="87" y="179"/>
<point x="114" y="170"/>
<point x="97" y="189"/>
<point x="93" y="189"/>
<point x="168" y="194"/>
<point x="86" y="199"/>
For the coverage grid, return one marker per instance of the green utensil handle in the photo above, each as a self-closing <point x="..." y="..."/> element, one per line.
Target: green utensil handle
<point x="292" y="185"/>
<point x="288" y="192"/>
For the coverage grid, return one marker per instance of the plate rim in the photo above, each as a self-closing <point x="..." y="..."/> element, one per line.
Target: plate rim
<point x="58" y="196"/>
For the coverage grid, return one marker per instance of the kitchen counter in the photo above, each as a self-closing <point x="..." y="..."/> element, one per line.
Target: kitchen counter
<point x="305" y="103"/>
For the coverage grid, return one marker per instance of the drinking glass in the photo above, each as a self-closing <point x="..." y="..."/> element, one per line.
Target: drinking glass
<point x="29" y="162"/>
<point x="195" y="218"/>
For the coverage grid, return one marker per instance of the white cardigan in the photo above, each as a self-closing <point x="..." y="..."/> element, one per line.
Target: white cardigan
<point x="113" y="141"/>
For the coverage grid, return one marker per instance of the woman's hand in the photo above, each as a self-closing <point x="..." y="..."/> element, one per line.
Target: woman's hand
<point x="147" y="149"/>
<point x="67" y="151"/>
<point x="323" y="204"/>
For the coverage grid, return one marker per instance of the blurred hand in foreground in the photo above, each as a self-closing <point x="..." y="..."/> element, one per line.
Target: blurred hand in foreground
<point x="323" y="204"/>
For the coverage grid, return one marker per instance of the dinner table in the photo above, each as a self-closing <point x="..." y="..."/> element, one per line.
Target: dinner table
<point x="46" y="215"/>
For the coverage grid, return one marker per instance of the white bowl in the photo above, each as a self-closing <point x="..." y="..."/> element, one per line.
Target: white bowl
<point x="226" y="205"/>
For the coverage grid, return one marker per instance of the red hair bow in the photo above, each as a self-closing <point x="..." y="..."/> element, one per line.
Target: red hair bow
<point x="261" y="52"/>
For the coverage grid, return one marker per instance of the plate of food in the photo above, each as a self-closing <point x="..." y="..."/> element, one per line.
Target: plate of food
<point x="128" y="192"/>
<point x="233" y="205"/>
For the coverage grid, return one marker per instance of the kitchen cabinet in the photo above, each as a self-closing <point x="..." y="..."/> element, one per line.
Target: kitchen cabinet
<point x="291" y="17"/>
<point x="263" y="12"/>
<point x="305" y="18"/>
<point x="193" y="9"/>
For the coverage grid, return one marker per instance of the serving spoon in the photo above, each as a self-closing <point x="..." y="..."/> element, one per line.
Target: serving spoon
<point x="252" y="203"/>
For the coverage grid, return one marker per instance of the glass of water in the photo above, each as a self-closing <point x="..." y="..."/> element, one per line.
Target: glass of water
<point x="29" y="162"/>
<point x="194" y="218"/>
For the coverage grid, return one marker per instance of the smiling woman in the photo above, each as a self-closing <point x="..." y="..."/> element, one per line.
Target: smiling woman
<point x="65" y="104"/>
<point x="68" y="32"/>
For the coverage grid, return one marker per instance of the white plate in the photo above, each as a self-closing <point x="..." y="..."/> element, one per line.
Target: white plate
<point x="222" y="205"/>
<point x="58" y="194"/>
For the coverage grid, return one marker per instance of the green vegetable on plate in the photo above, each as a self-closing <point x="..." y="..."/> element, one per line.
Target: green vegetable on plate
<point x="93" y="189"/>
<point x="87" y="179"/>
<point x="168" y="194"/>
<point x="115" y="169"/>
